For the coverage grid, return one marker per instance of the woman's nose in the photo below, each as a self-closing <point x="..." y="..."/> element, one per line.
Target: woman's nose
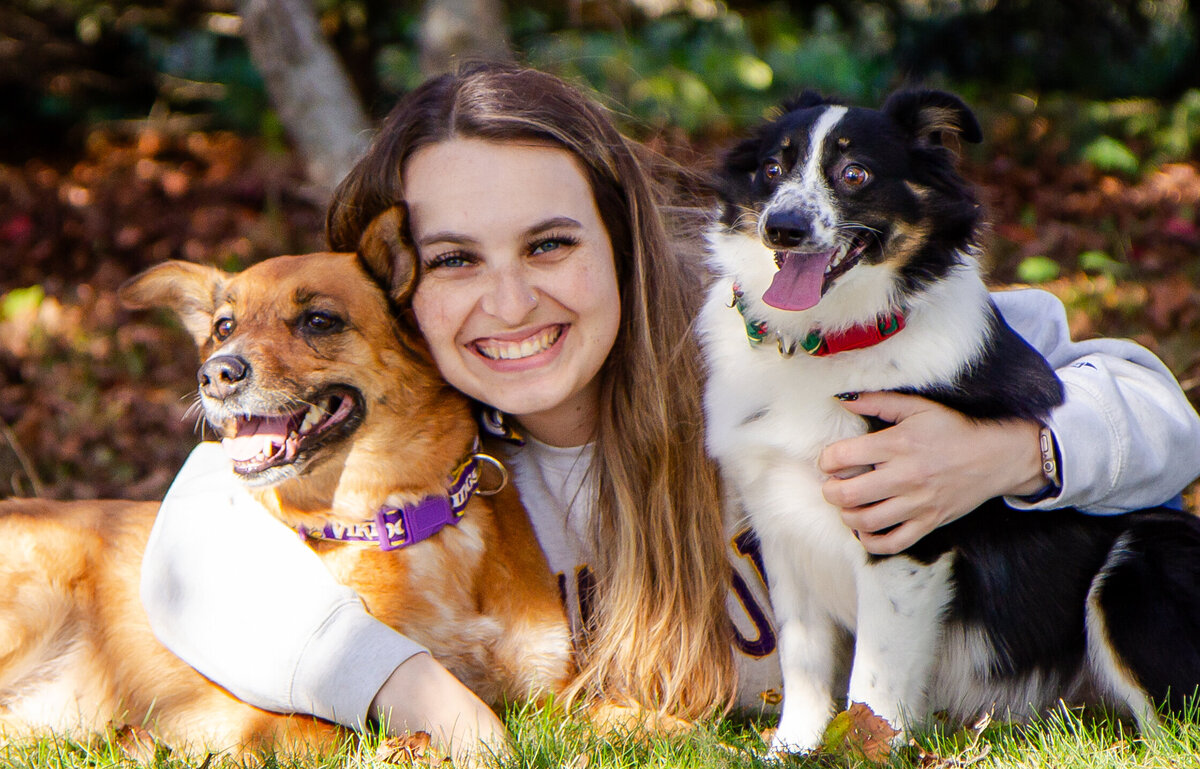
<point x="511" y="297"/>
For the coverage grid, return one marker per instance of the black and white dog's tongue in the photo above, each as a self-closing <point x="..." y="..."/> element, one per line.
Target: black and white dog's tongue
<point x="797" y="285"/>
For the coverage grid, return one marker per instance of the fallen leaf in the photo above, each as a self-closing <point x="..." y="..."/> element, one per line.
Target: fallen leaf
<point x="858" y="731"/>
<point x="772" y="697"/>
<point x="405" y="749"/>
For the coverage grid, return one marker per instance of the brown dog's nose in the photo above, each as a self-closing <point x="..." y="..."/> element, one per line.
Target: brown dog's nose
<point x="221" y="376"/>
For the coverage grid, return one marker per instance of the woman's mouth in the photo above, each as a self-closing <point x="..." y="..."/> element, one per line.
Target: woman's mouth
<point x="501" y="349"/>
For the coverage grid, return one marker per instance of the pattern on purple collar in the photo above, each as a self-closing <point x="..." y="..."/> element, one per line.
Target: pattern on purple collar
<point x="397" y="527"/>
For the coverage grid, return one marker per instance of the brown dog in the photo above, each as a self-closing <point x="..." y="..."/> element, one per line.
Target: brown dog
<point x="331" y="411"/>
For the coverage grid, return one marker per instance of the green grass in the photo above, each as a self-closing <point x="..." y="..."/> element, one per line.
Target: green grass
<point x="1067" y="739"/>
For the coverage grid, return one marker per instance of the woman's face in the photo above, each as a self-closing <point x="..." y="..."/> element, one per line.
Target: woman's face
<point x="517" y="292"/>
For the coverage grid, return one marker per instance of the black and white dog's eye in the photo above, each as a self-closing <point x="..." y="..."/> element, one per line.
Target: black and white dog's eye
<point x="772" y="170"/>
<point x="855" y="175"/>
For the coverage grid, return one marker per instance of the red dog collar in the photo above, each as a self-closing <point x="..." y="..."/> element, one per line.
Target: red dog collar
<point x="816" y="343"/>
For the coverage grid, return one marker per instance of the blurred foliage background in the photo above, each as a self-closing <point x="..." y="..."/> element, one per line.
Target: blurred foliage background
<point x="135" y="132"/>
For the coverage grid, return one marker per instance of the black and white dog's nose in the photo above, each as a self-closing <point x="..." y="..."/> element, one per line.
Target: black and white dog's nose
<point x="786" y="229"/>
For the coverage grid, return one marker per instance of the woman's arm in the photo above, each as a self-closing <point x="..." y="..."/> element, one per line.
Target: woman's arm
<point x="237" y="595"/>
<point x="1126" y="434"/>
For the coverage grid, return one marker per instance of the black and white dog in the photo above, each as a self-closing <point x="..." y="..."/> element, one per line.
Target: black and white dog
<point x="845" y="256"/>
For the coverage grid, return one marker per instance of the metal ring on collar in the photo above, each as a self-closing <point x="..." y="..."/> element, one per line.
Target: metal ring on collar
<point x="496" y="463"/>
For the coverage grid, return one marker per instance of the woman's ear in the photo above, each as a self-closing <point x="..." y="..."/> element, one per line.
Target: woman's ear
<point x="388" y="256"/>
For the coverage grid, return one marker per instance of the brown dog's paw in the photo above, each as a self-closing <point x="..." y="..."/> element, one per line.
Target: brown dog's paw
<point x="138" y="744"/>
<point x="634" y="720"/>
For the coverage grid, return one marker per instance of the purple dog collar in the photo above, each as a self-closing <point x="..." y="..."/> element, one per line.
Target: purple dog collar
<point x="397" y="527"/>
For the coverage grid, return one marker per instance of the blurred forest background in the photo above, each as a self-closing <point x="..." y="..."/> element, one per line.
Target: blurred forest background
<point x="212" y="130"/>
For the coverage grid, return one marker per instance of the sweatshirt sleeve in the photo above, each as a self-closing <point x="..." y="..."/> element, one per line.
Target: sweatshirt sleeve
<point x="1127" y="436"/>
<point x="235" y="593"/>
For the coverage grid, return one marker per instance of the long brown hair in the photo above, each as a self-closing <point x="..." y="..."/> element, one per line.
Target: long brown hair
<point x="658" y="633"/>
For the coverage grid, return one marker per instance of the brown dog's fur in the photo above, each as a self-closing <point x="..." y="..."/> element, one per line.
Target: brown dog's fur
<point x="76" y="652"/>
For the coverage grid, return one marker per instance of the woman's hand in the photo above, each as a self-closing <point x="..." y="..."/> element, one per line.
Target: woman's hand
<point x="421" y="695"/>
<point x="932" y="466"/>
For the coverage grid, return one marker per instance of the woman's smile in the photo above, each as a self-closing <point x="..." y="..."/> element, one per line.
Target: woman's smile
<point x="535" y="348"/>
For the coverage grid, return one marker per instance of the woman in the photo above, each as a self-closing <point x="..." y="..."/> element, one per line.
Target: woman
<point x="547" y="289"/>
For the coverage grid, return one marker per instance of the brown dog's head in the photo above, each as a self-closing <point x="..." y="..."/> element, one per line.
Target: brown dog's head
<point x="298" y="351"/>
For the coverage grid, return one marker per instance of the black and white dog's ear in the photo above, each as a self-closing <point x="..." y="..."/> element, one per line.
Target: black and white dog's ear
<point x="932" y="116"/>
<point x="805" y="100"/>
<point x="742" y="158"/>
<point x="735" y="177"/>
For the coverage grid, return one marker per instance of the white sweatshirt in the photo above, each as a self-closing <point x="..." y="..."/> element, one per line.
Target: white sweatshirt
<point x="236" y="594"/>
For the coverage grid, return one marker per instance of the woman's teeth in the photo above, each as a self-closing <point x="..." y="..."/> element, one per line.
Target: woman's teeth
<point x="497" y="350"/>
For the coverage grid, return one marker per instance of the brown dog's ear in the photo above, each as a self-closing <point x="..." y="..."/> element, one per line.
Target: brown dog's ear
<point x="188" y="289"/>
<point x="388" y="256"/>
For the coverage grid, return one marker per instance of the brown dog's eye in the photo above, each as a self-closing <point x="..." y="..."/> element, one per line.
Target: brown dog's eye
<point x="322" y="322"/>
<point x="855" y="175"/>
<point x="772" y="170"/>
<point x="223" y="328"/>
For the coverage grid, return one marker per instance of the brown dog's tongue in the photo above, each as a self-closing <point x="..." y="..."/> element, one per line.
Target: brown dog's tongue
<point x="256" y="436"/>
<point x="797" y="285"/>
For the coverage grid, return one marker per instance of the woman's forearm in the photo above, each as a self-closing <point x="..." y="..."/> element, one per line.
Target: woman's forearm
<point x="1127" y="435"/>
<point x="237" y="595"/>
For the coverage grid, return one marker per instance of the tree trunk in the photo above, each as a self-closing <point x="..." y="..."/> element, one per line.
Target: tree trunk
<point x="453" y="31"/>
<point x="307" y="85"/>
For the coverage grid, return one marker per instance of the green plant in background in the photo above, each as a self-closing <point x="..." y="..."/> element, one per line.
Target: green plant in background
<point x="1037" y="269"/>
<point x="1111" y="156"/>
<point x="1100" y="263"/>
<point x="713" y="74"/>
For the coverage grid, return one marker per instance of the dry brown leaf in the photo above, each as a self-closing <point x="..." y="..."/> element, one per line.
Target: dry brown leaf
<point x="772" y="697"/>
<point x="858" y="731"/>
<point x="767" y="735"/>
<point x="406" y="749"/>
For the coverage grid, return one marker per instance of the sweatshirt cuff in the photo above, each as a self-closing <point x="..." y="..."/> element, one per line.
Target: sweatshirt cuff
<point x="345" y="663"/>
<point x="1090" y="454"/>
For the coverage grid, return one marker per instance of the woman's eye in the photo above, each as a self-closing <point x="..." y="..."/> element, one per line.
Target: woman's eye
<point x="551" y="244"/>
<point x="223" y="328"/>
<point x="855" y="175"/>
<point x="322" y="322"/>
<point x="453" y="259"/>
<point x="772" y="170"/>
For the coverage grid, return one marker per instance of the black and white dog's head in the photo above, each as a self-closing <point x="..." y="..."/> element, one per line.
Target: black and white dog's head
<point x="832" y="201"/>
